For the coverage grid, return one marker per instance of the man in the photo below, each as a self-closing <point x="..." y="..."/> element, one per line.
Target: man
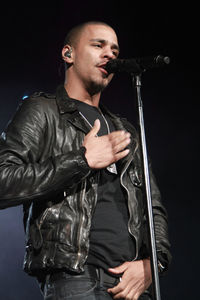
<point x="76" y="168"/>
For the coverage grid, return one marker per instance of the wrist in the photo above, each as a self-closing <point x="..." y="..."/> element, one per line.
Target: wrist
<point x="83" y="152"/>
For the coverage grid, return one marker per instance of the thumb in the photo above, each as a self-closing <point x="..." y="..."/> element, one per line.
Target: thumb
<point x="120" y="269"/>
<point x="95" y="128"/>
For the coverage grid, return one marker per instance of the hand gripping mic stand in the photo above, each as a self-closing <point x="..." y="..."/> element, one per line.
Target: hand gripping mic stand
<point x="136" y="79"/>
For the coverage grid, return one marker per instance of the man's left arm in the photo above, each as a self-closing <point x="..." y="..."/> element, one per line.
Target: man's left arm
<point x="136" y="275"/>
<point x="160" y="226"/>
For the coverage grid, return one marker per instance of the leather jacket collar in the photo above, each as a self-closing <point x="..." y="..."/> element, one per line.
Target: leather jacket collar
<point x="64" y="102"/>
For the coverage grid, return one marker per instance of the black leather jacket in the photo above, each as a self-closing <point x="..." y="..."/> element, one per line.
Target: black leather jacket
<point x="43" y="167"/>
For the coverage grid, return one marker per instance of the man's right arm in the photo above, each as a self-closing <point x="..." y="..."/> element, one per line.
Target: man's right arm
<point x="23" y="175"/>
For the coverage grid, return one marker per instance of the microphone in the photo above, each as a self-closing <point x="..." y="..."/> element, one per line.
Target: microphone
<point x="136" y="65"/>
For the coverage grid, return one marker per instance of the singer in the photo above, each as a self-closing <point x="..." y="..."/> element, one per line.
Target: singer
<point x="76" y="169"/>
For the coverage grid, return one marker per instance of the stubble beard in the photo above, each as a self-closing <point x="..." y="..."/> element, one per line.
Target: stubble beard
<point x="96" y="87"/>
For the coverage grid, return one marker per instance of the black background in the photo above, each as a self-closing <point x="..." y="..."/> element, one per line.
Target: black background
<point x="31" y="41"/>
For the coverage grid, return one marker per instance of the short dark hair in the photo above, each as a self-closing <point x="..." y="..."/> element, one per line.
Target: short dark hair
<point x="73" y="35"/>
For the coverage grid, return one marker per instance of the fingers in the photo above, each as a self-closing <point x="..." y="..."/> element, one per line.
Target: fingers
<point x="95" y="129"/>
<point x="135" y="280"/>
<point x="121" y="155"/>
<point x="126" y="290"/>
<point x="121" y="291"/>
<point x="120" y="141"/>
<point x="120" y="269"/>
<point x="119" y="134"/>
<point x="118" y="137"/>
<point x="121" y="146"/>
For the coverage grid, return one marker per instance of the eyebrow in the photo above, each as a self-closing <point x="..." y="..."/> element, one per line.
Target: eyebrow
<point x="113" y="46"/>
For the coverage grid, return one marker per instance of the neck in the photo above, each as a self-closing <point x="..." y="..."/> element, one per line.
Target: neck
<point x="79" y="92"/>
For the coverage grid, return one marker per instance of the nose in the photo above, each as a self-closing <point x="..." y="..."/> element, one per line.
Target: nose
<point x="108" y="52"/>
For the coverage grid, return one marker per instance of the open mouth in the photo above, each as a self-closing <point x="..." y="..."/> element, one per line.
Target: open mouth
<point x="103" y="69"/>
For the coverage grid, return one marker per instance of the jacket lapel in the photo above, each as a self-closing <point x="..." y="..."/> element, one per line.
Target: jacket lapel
<point x="68" y="106"/>
<point x="76" y="120"/>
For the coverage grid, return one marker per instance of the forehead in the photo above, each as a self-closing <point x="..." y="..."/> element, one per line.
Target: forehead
<point x="101" y="32"/>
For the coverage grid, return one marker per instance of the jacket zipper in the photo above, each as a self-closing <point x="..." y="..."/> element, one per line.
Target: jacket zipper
<point x="82" y="219"/>
<point x="43" y="218"/>
<point x="124" y="170"/>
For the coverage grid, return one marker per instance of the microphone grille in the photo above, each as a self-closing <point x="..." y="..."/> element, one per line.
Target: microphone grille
<point x="160" y="59"/>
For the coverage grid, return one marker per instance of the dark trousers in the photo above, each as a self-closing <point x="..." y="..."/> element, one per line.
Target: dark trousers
<point x="91" y="285"/>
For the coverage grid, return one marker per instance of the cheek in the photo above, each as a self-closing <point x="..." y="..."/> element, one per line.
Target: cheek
<point x="86" y="63"/>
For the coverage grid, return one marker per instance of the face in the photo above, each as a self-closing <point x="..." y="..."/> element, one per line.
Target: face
<point x="96" y="46"/>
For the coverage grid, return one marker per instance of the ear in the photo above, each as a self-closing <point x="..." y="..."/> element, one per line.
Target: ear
<point x="67" y="58"/>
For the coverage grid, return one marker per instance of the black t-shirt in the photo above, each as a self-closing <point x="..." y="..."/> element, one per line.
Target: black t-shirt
<point x="110" y="241"/>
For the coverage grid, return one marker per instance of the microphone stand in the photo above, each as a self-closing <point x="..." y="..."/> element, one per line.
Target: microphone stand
<point x="136" y="80"/>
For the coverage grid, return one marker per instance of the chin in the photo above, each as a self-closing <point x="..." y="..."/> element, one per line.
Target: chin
<point x="97" y="87"/>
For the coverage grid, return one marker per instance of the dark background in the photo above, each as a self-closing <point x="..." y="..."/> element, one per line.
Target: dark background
<point x="31" y="41"/>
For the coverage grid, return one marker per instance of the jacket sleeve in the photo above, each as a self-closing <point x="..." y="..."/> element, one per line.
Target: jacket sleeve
<point x="160" y="224"/>
<point x="23" y="176"/>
